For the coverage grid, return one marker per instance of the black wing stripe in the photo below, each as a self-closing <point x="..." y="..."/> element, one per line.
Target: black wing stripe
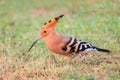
<point x="72" y="50"/>
<point x="74" y="42"/>
<point x="65" y="47"/>
<point x="80" y="46"/>
<point x="69" y="41"/>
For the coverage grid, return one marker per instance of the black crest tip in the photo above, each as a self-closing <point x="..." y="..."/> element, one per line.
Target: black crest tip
<point x="61" y="15"/>
<point x="57" y="18"/>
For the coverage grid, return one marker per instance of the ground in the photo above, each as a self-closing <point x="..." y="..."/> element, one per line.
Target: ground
<point x="94" y="21"/>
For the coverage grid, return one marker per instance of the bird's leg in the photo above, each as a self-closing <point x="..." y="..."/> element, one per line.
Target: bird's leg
<point x="69" y="59"/>
<point x="74" y="56"/>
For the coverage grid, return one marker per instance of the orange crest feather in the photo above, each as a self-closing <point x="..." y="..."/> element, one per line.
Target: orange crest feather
<point x="52" y="23"/>
<point x="49" y="26"/>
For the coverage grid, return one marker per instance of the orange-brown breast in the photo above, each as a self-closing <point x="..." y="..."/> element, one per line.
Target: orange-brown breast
<point x="55" y="43"/>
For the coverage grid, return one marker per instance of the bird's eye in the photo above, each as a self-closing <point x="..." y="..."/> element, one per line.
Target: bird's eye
<point x="45" y="31"/>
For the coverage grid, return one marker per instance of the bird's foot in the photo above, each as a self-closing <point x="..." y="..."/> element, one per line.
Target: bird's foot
<point x="69" y="60"/>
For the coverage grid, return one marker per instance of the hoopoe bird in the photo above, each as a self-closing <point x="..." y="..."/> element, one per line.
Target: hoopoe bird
<point x="64" y="45"/>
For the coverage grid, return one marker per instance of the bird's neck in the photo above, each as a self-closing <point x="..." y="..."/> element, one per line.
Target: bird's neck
<point x="52" y="39"/>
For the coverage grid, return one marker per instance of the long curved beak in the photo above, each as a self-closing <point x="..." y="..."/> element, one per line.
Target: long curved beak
<point x="33" y="44"/>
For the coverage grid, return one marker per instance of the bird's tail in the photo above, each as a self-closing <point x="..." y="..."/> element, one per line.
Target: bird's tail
<point x="101" y="50"/>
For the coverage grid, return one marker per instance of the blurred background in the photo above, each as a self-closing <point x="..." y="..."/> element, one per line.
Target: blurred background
<point x="94" y="21"/>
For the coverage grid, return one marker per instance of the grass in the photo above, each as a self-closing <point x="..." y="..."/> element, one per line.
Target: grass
<point x="95" y="21"/>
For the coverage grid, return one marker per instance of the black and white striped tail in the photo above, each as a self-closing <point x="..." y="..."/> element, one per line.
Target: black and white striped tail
<point x="101" y="50"/>
<point x="77" y="46"/>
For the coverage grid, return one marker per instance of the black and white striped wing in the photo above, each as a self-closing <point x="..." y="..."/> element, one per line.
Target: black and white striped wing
<point x="76" y="46"/>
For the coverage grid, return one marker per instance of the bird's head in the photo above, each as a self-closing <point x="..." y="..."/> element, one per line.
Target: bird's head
<point x="47" y="29"/>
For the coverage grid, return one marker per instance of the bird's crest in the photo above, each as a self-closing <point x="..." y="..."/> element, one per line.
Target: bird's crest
<point x="52" y="23"/>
